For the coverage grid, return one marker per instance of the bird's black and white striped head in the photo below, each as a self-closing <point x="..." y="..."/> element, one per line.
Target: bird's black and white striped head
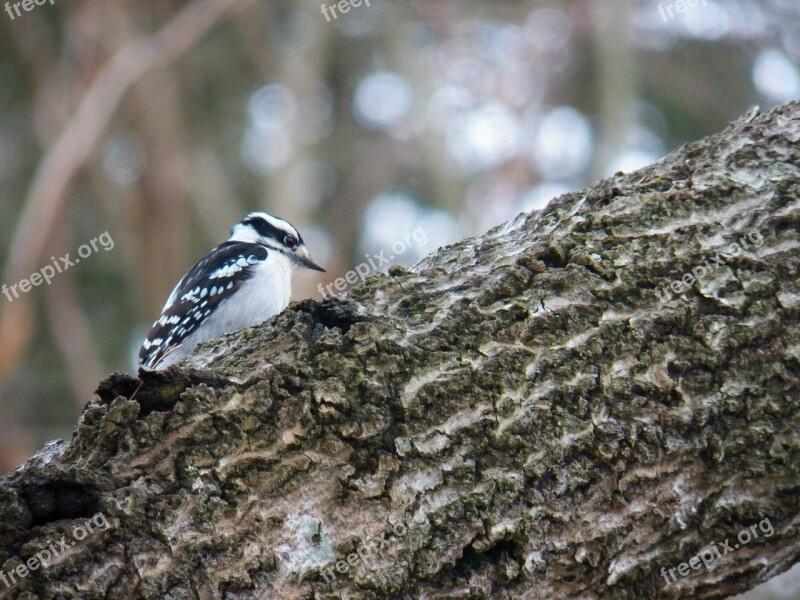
<point x="276" y="234"/>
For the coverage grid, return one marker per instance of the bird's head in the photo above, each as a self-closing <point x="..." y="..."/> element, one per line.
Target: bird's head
<point x="276" y="234"/>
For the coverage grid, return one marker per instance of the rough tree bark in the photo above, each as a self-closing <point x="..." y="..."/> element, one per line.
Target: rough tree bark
<point x="525" y="414"/>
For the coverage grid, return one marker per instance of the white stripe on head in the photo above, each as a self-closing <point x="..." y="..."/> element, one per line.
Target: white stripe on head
<point x="261" y="228"/>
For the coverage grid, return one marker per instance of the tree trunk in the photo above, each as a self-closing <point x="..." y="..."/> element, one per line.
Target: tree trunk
<point x="572" y="405"/>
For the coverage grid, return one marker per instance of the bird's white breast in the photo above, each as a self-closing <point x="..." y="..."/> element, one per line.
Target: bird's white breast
<point x="262" y="296"/>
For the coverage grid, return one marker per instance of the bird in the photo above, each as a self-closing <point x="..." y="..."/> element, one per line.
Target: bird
<point x="240" y="283"/>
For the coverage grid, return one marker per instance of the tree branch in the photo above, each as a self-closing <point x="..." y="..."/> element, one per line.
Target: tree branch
<point x="527" y="414"/>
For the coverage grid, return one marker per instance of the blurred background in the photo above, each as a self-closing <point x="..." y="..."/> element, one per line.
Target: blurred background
<point x="159" y="125"/>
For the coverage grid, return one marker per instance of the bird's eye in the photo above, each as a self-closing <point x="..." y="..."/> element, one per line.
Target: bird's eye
<point x="289" y="241"/>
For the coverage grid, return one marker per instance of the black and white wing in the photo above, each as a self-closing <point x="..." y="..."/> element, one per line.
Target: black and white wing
<point x="200" y="292"/>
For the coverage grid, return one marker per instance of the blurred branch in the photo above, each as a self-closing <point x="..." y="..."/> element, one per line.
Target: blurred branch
<point x="209" y="182"/>
<point x="161" y="223"/>
<point x="303" y="73"/>
<point x="73" y="335"/>
<point x="617" y="81"/>
<point x="79" y="139"/>
<point x="69" y="325"/>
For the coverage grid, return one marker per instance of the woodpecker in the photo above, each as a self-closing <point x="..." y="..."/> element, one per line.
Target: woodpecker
<point x="238" y="284"/>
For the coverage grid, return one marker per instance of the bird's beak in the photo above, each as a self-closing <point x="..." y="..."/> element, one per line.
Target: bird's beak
<point x="304" y="258"/>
